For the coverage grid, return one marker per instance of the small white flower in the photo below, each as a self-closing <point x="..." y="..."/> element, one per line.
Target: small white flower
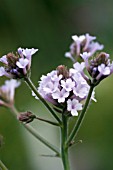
<point x="94" y="46"/>
<point x="50" y="87"/>
<point x="104" y="70"/>
<point x="2" y="71"/>
<point x="78" y="41"/>
<point x="68" y="55"/>
<point x="81" y="90"/>
<point x="22" y="63"/>
<point x="77" y="77"/>
<point x="3" y="59"/>
<point x="60" y="95"/>
<point x="29" y="52"/>
<point x="79" y="66"/>
<point x="85" y="55"/>
<point x="9" y="89"/>
<point x="89" y="39"/>
<point x="78" y="38"/>
<point x="68" y="84"/>
<point x="73" y="106"/>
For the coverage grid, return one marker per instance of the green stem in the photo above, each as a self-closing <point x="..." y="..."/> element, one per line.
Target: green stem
<point x="80" y="118"/>
<point x="2" y="166"/>
<point x="35" y="134"/>
<point x="64" y="149"/>
<point x="48" y="121"/>
<point x="33" y="88"/>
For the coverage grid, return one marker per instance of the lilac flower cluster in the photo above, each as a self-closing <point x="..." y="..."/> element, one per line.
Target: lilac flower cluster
<point x="98" y="67"/>
<point x="17" y="65"/>
<point x="7" y="92"/>
<point x="83" y="43"/>
<point x="65" y="88"/>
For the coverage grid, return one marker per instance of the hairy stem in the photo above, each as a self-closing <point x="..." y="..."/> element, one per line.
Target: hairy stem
<point x="80" y="118"/>
<point x="48" y="121"/>
<point x="35" y="134"/>
<point x="64" y="149"/>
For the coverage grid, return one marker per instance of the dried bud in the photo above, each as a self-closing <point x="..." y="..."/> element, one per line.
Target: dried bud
<point x="11" y="59"/>
<point x="26" y="117"/>
<point x="102" y="58"/>
<point x="62" y="70"/>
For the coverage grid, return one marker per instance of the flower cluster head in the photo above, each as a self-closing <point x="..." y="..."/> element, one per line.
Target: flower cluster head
<point x="7" y="92"/>
<point x="17" y="65"/>
<point x="83" y="43"/>
<point x="66" y="89"/>
<point x="99" y="67"/>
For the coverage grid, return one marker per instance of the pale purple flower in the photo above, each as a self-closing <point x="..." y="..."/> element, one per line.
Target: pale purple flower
<point x="60" y="95"/>
<point x="74" y="106"/>
<point x="8" y="90"/>
<point x="77" y="77"/>
<point x="81" y="90"/>
<point x="79" y="66"/>
<point x="2" y="71"/>
<point x="93" y="47"/>
<point x="104" y="70"/>
<point x="22" y="62"/>
<point x="88" y="40"/>
<point x="78" y="41"/>
<point x="85" y="55"/>
<point x="28" y="52"/>
<point x="3" y="59"/>
<point x="68" y="55"/>
<point x="50" y="87"/>
<point x="68" y="84"/>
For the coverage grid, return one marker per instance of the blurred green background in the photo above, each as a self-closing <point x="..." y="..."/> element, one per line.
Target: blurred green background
<point x="48" y="25"/>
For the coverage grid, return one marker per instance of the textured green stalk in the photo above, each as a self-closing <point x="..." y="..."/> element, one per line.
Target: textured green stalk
<point x="33" y="88"/>
<point x="80" y="118"/>
<point x="64" y="149"/>
<point x="48" y="121"/>
<point x="2" y="166"/>
<point x="35" y="134"/>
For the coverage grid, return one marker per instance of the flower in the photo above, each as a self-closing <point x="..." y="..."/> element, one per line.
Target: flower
<point x="82" y="44"/>
<point x="64" y="88"/>
<point x="61" y="95"/>
<point x="99" y="67"/>
<point x="22" y="62"/>
<point x="104" y="70"/>
<point x="17" y="65"/>
<point x="7" y="91"/>
<point x="28" y="52"/>
<point x="68" y="84"/>
<point x="73" y="106"/>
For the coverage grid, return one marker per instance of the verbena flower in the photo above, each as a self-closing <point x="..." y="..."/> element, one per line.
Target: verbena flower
<point x="17" y="65"/>
<point x="99" y="67"/>
<point x="7" y="92"/>
<point x="83" y="43"/>
<point x="66" y="89"/>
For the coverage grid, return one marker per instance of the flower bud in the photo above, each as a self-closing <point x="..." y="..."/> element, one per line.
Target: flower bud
<point x="62" y="70"/>
<point x="26" y="117"/>
<point x="17" y="65"/>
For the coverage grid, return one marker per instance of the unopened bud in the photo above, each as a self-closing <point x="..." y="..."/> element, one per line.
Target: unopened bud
<point x="11" y="59"/>
<point x="62" y="70"/>
<point x="26" y="117"/>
